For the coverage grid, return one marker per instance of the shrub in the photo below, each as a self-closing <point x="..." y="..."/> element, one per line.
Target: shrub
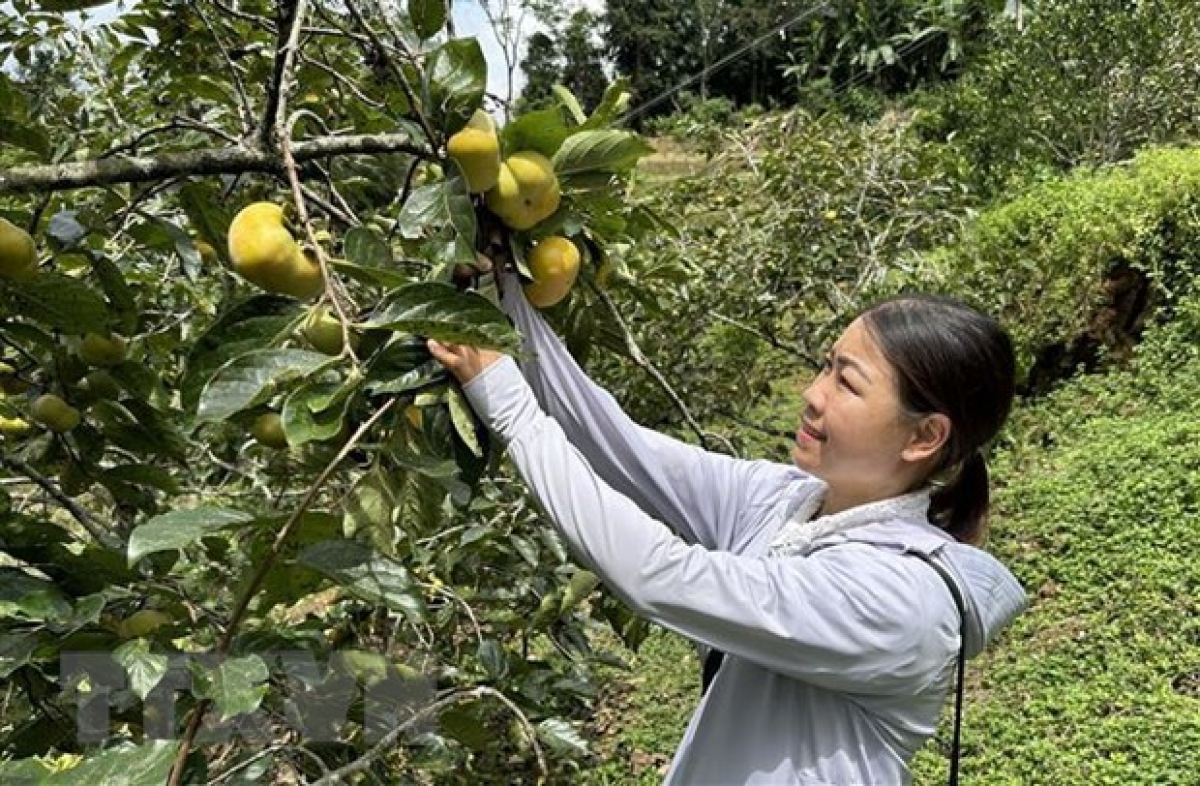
<point x="1078" y="265"/>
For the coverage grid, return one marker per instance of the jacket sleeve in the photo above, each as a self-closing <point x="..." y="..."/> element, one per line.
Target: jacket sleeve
<point x="703" y="496"/>
<point x="856" y="620"/>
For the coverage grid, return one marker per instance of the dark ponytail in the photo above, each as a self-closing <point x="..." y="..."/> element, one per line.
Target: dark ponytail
<point x="960" y="504"/>
<point x="954" y="360"/>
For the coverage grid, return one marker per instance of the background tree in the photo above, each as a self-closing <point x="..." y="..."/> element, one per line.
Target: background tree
<point x="570" y="56"/>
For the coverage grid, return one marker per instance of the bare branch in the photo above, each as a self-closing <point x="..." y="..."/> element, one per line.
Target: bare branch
<point x="765" y="338"/>
<point x="378" y="50"/>
<point x="229" y="10"/>
<point x="642" y="362"/>
<point x="388" y="743"/>
<point x="342" y="80"/>
<point x="85" y="519"/>
<point x="291" y="13"/>
<point x="293" y="177"/>
<point x="245" y="108"/>
<point x="208" y="161"/>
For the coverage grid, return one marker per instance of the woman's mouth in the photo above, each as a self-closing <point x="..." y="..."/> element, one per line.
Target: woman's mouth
<point x="809" y="434"/>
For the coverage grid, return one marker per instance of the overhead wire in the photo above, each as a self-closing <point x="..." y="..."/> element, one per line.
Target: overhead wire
<point x="724" y="61"/>
<point x="841" y="87"/>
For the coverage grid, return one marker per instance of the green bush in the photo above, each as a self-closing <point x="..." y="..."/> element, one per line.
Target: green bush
<point x="1075" y="83"/>
<point x="1077" y="265"/>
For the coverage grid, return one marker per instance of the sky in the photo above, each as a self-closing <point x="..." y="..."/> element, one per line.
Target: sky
<point x="469" y="20"/>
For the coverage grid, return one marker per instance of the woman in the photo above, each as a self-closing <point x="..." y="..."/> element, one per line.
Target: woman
<point x="841" y="638"/>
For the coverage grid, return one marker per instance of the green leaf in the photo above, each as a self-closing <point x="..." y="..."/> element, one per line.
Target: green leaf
<point x="430" y="467"/>
<point x="250" y="324"/>
<point x="364" y="247"/>
<point x="570" y="103"/>
<point x="441" y="312"/>
<point x="139" y="427"/>
<point x="461" y="725"/>
<point x="121" y="765"/>
<point x="179" y="528"/>
<point x="16" y="648"/>
<point x="58" y="302"/>
<point x="456" y="76"/>
<point x="26" y="137"/>
<point x="368" y="668"/>
<point x="118" y="292"/>
<point x="372" y="276"/>
<point x="30" y="598"/>
<point x="315" y="412"/>
<point x="143" y="475"/>
<point x="427" y="16"/>
<point x="363" y="572"/>
<point x="201" y="201"/>
<point x="403" y="365"/>
<point x="235" y="686"/>
<point x="448" y="248"/>
<point x="252" y="378"/>
<point x="560" y="736"/>
<point x="86" y="610"/>
<point x="463" y="419"/>
<point x="543" y="131"/>
<point x="526" y="548"/>
<point x="493" y="658"/>
<point x="438" y="205"/>
<point x="599" y="151"/>
<point x="145" y="669"/>
<point x="612" y="105"/>
<point x="370" y="509"/>
<point x="580" y="586"/>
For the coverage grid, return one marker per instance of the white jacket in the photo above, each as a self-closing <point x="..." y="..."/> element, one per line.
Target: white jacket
<point x="840" y="646"/>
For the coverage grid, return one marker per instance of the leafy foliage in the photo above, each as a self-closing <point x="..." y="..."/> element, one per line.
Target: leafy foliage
<point x="1073" y="83"/>
<point x="1080" y="264"/>
<point x="780" y="242"/>
<point x="377" y="536"/>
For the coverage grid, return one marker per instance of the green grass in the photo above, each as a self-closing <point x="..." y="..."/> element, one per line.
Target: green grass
<point x="642" y="713"/>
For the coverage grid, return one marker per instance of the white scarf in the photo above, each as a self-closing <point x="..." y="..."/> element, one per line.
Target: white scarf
<point x="797" y="537"/>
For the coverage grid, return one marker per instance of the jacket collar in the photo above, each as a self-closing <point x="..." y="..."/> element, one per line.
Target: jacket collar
<point x="801" y="533"/>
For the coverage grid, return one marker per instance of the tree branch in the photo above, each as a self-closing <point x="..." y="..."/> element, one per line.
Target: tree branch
<point x="764" y="337"/>
<point x="376" y="49"/>
<point x="208" y="161"/>
<point x="245" y="109"/>
<point x="388" y="743"/>
<point x="642" y="362"/>
<point x="85" y="519"/>
<point x="291" y="15"/>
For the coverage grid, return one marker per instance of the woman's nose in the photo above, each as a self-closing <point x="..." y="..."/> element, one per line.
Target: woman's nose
<point x="811" y="395"/>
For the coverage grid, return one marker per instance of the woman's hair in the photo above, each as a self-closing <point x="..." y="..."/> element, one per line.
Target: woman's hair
<point x="951" y="359"/>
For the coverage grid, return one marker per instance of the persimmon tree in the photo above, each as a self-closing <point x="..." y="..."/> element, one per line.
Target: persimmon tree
<point x="256" y="480"/>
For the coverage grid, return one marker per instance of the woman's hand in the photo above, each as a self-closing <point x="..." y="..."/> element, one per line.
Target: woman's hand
<point x="464" y="362"/>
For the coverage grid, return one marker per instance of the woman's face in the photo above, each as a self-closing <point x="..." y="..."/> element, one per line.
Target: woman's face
<point x="853" y="433"/>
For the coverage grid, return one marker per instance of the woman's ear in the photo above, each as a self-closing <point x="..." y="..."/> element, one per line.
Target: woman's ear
<point x="928" y="438"/>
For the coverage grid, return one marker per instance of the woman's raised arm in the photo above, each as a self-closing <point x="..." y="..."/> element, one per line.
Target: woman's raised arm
<point x="705" y="497"/>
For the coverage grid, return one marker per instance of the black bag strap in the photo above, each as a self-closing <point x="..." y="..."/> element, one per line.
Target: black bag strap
<point x="712" y="662"/>
<point x="960" y="602"/>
